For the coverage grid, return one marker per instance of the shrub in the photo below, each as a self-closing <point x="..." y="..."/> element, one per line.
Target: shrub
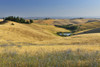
<point x="70" y="27"/>
<point x="47" y="18"/>
<point x="12" y="23"/>
<point x="31" y="21"/>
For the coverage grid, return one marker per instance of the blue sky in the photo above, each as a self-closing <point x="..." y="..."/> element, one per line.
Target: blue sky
<point x="50" y="8"/>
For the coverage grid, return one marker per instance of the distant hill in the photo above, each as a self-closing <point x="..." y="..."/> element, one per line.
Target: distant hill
<point x="89" y="25"/>
<point x="65" y="21"/>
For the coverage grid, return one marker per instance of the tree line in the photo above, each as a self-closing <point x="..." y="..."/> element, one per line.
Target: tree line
<point x="70" y="27"/>
<point x="18" y="19"/>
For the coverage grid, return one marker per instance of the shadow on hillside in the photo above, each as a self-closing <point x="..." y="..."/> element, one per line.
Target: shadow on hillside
<point x="97" y="30"/>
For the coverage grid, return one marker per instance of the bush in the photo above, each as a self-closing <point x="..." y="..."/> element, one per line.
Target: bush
<point x="31" y="21"/>
<point x="12" y="23"/>
<point x="19" y="20"/>
<point x="70" y="27"/>
<point x="47" y="18"/>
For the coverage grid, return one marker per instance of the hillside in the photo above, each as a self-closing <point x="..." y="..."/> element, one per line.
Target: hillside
<point x="65" y="21"/>
<point x="83" y="39"/>
<point x="89" y="25"/>
<point x="36" y="45"/>
<point x="27" y="33"/>
<point x="96" y="30"/>
<point x="88" y="33"/>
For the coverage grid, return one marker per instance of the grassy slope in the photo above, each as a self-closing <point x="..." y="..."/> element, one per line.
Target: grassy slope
<point x="84" y="39"/>
<point x="96" y="30"/>
<point x="87" y="55"/>
<point x="65" y="21"/>
<point x="29" y="33"/>
<point x="90" y="25"/>
<point x="44" y="34"/>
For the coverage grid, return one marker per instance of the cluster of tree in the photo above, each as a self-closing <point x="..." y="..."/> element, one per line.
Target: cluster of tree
<point x="70" y="27"/>
<point x="18" y="19"/>
<point x="47" y="18"/>
<point x="77" y="18"/>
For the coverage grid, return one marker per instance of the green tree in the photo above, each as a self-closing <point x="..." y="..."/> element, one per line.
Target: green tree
<point x="31" y="21"/>
<point x="22" y="20"/>
<point x="19" y="20"/>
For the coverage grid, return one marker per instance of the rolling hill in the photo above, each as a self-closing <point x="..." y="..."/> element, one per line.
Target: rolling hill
<point x="88" y="33"/>
<point x="35" y="33"/>
<point x="96" y="30"/>
<point x="27" y="33"/>
<point x="89" y="25"/>
<point x="65" y="21"/>
<point x="83" y="39"/>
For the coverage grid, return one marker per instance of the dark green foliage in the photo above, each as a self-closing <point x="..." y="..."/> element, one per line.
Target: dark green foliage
<point x="19" y="20"/>
<point x="31" y="21"/>
<point x="47" y="18"/>
<point x="22" y="20"/>
<point x="12" y="23"/>
<point x="70" y="27"/>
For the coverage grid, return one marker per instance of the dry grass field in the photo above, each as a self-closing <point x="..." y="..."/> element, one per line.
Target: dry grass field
<point x="82" y="39"/>
<point x="89" y="25"/>
<point x="28" y="33"/>
<point x="65" y="21"/>
<point x="50" y="56"/>
<point x="38" y="45"/>
<point x="41" y="34"/>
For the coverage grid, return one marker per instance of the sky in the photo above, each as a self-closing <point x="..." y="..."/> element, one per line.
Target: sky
<point x="50" y="8"/>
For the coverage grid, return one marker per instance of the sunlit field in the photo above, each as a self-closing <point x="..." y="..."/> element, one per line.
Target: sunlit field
<point x="49" y="33"/>
<point x="50" y="56"/>
<point x="38" y="45"/>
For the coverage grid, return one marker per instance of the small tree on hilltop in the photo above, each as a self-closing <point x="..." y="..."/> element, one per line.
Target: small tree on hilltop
<point x="27" y="22"/>
<point x="31" y="21"/>
<point x="17" y="19"/>
<point x="22" y="20"/>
